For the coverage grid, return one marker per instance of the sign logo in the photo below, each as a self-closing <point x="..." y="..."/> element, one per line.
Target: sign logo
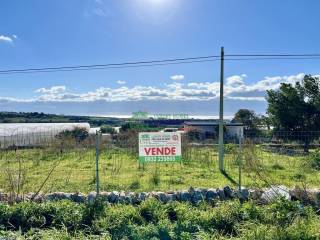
<point x="175" y="137"/>
<point x="159" y="147"/>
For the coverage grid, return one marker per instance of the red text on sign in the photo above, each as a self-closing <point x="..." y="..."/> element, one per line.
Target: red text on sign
<point x="160" y="151"/>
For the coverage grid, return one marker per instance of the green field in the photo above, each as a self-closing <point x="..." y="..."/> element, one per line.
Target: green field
<point x="73" y="169"/>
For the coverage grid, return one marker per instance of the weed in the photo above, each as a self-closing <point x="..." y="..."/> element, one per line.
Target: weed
<point x="135" y="185"/>
<point x="277" y="166"/>
<point x="315" y="160"/>
<point x="155" y="178"/>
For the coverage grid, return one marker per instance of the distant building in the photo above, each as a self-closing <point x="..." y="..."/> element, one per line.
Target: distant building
<point x="210" y="129"/>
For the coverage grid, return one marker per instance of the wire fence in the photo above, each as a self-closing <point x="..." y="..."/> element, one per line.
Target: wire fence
<point x="48" y="161"/>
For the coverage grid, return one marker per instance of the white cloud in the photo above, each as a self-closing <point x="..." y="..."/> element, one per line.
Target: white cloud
<point x="52" y="90"/>
<point x="121" y="82"/>
<point x="5" y="39"/>
<point x="177" y="77"/>
<point x="235" y="88"/>
<point x="15" y="36"/>
<point x="236" y="80"/>
<point x="247" y="98"/>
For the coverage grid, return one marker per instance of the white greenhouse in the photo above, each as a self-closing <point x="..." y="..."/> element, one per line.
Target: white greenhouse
<point x="31" y="134"/>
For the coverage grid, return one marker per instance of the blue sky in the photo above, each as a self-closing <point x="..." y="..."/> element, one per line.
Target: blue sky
<point x="39" y="33"/>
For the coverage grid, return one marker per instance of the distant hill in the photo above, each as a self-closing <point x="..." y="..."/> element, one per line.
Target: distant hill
<point x="36" y="117"/>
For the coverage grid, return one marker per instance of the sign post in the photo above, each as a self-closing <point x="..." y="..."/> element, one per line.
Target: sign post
<point x="157" y="147"/>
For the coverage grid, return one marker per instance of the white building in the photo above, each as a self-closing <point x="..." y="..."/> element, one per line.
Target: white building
<point x="211" y="128"/>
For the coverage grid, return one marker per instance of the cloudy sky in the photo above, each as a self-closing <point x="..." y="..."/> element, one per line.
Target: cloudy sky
<point x="82" y="32"/>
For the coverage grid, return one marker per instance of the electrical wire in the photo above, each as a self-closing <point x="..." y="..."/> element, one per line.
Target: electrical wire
<point x="106" y="65"/>
<point x="109" y="67"/>
<point x="164" y="62"/>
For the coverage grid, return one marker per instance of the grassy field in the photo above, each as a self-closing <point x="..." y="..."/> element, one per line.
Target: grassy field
<point x="73" y="169"/>
<point x="153" y="220"/>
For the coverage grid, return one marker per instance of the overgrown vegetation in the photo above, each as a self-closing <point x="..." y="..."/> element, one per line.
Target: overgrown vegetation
<point x="74" y="168"/>
<point x="153" y="220"/>
<point x="107" y="129"/>
<point x="138" y="127"/>
<point x="77" y="134"/>
<point x="314" y="159"/>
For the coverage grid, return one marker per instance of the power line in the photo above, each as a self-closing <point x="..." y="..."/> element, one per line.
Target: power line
<point x="274" y="55"/>
<point x="272" y="58"/>
<point x="106" y="65"/>
<point x="164" y="62"/>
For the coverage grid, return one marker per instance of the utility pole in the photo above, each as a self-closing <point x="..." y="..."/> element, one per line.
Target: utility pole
<point x="221" y="146"/>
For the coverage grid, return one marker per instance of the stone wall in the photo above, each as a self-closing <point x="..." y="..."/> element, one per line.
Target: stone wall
<point x="192" y="195"/>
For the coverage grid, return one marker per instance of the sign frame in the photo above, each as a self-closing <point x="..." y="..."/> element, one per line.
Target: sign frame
<point x="160" y="147"/>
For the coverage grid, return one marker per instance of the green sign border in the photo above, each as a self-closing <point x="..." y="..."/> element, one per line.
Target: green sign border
<point x="159" y="159"/>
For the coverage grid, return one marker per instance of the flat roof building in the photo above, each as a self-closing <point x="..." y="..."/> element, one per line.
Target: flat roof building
<point x="211" y="128"/>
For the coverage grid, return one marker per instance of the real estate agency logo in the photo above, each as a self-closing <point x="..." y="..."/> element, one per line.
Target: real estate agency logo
<point x="175" y="137"/>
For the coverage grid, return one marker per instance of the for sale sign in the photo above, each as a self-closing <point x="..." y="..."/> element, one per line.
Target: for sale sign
<point x="159" y="147"/>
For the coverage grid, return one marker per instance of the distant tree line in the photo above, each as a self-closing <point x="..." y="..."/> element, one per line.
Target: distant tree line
<point x="36" y="117"/>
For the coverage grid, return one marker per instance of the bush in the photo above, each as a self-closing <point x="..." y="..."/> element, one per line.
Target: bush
<point x="152" y="211"/>
<point x="314" y="158"/>
<point x="78" y="134"/>
<point x="118" y="221"/>
<point x="107" y="129"/>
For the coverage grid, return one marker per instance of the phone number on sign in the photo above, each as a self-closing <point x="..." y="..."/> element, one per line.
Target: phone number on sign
<point x="160" y="159"/>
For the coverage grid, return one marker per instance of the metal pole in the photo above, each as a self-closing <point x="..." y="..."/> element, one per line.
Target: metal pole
<point x="221" y="147"/>
<point x="97" y="161"/>
<point x="240" y="159"/>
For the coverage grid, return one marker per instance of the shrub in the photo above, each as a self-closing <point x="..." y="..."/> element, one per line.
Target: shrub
<point x="135" y="185"/>
<point x="94" y="211"/>
<point x="107" y="129"/>
<point x="78" y="134"/>
<point x="4" y="214"/>
<point x="152" y="211"/>
<point x="118" y="221"/>
<point x="283" y="212"/>
<point x="314" y="158"/>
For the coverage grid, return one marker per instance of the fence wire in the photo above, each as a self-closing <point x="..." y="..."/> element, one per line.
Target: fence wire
<point x="47" y="161"/>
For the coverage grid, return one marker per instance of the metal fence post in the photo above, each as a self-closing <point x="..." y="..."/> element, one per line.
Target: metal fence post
<point x="240" y="159"/>
<point x="98" y="135"/>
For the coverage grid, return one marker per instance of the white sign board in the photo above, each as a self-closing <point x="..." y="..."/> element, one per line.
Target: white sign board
<point x="159" y="147"/>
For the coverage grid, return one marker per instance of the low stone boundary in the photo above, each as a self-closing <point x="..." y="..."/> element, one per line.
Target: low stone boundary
<point x="193" y="195"/>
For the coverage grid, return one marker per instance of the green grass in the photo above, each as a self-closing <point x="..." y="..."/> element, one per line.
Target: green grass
<point x="153" y="220"/>
<point x="120" y="170"/>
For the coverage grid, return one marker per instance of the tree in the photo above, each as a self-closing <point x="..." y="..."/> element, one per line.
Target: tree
<point x="296" y="108"/>
<point x="249" y="120"/>
<point x="265" y="121"/>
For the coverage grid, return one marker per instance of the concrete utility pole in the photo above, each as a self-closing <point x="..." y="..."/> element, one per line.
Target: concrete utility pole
<point x="221" y="147"/>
